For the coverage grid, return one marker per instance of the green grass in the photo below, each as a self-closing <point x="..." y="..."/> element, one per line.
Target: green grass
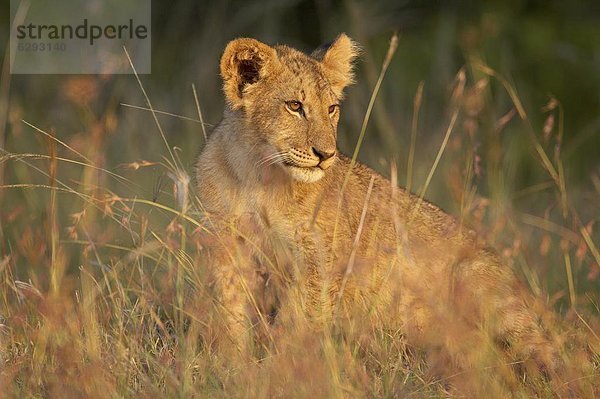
<point x="104" y="289"/>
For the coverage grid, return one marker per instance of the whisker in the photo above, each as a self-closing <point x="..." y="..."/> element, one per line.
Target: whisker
<point x="275" y="161"/>
<point x="283" y="158"/>
<point x="271" y="157"/>
<point x="267" y="158"/>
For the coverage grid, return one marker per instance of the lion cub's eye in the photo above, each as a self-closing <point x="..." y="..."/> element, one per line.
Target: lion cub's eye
<point x="333" y="108"/>
<point x="295" y="106"/>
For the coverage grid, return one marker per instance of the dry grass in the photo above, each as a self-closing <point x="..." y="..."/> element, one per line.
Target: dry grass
<point x="106" y="294"/>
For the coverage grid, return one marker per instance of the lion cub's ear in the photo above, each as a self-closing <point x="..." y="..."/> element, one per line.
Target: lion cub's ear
<point x="244" y="62"/>
<point x="337" y="58"/>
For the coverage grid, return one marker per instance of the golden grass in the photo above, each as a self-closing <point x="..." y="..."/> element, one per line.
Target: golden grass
<point x="108" y="295"/>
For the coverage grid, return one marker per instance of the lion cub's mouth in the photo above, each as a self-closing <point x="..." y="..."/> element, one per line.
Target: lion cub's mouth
<point x="290" y="163"/>
<point x="312" y="159"/>
<point x="306" y="174"/>
<point x="300" y="165"/>
<point x="304" y="166"/>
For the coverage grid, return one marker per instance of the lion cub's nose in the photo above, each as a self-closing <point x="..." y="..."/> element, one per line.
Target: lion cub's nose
<point x="325" y="157"/>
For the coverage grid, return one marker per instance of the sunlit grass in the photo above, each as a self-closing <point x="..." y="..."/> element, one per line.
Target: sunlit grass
<point x="108" y="295"/>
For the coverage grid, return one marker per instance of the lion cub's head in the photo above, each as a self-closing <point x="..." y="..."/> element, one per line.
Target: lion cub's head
<point x="290" y="101"/>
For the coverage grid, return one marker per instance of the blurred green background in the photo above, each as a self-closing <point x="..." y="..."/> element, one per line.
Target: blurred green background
<point x="545" y="49"/>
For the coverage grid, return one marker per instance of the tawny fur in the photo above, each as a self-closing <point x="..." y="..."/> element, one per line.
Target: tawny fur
<point x="267" y="192"/>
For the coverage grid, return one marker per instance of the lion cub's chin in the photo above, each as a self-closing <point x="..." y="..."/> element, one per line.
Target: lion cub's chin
<point x="306" y="175"/>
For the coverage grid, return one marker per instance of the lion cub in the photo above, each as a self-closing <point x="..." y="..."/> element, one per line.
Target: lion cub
<point x="288" y="208"/>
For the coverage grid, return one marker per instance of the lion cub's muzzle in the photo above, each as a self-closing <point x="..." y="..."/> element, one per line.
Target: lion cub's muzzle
<point x="315" y="158"/>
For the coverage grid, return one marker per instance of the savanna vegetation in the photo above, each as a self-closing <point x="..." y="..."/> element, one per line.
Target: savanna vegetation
<point x="490" y="110"/>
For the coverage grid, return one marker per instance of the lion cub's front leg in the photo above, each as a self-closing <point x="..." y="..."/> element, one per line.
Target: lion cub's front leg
<point x="248" y="280"/>
<point x="237" y="285"/>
